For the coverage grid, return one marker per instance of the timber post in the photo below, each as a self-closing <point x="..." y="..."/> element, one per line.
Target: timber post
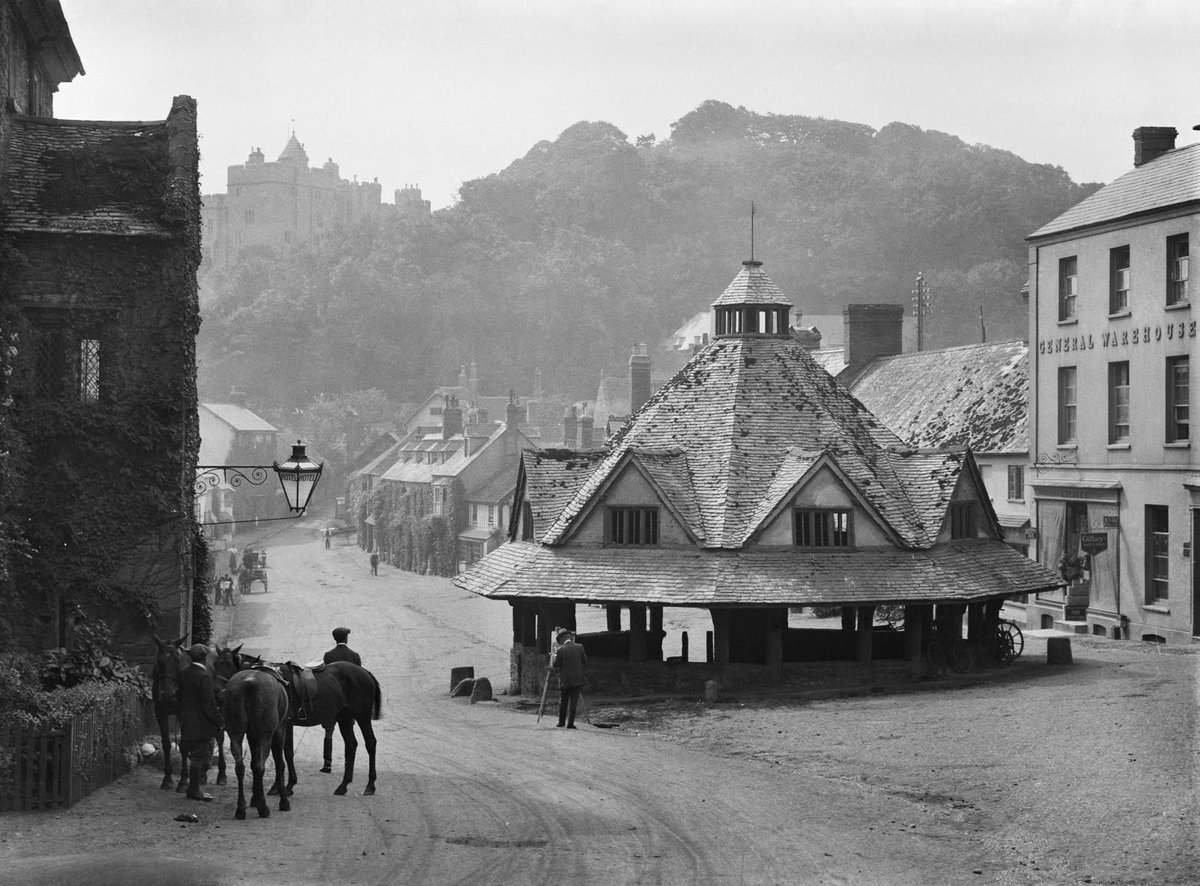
<point x="866" y="625"/>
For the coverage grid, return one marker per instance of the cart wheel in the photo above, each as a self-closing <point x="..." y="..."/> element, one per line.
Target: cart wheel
<point x="1012" y="641"/>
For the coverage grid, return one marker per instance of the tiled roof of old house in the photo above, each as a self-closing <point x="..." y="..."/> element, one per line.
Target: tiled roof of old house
<point x="86" y="177"/>
<point x="1169" y="180"/>
<point x="725" y="445"/>
<point x="954" y="572"/>
<point x="973" y="395"/>
<point x="239" y="417"/>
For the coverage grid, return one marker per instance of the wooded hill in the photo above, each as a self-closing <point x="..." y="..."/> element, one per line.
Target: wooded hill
<point x="592" y="242"/>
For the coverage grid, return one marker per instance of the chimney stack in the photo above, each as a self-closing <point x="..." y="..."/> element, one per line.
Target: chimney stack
<point x="587" y="423"/>
<point x="452" y="418"/>
<point x="639" y="378"/>
<point x="1151" y="142"/>
<point x="512" y="419"/>
<point x="872" y="331"/>
<point x="570" y="423"/>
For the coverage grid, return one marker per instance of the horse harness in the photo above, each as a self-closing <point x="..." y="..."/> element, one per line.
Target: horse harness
<point x="303" y="684"/>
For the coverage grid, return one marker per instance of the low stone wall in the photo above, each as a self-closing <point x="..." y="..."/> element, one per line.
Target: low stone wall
<point x="616" y="676"/>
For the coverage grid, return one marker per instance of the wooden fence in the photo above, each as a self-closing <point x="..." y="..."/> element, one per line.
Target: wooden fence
<point x="52" y="768"/>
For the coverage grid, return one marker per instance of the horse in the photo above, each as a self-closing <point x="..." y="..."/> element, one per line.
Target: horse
<point x="345" y="694"/>
<point x="169" y="661"/>
<point x="254" y="704"/>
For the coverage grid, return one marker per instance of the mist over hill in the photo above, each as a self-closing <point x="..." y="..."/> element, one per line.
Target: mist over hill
<point x="594" y="241"/>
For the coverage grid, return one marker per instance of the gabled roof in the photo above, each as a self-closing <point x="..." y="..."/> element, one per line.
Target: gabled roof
<point x="59" y="178"/>
<point x="378" y="465"/>
<point x="293" y="152"/>
<point x="239" y="417"/>
<point x="1170" y="180"/>
<point x="552" y="477"/>
<point x="973" y="395"/>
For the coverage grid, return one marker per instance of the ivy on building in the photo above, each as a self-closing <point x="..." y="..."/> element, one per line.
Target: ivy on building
<point x="407" y="533"/>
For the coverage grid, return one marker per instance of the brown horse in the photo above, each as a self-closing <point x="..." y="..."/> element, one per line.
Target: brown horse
<point x="346" y="694"/>
<point x="170" y="660"/>
<point x="254" y="704"/>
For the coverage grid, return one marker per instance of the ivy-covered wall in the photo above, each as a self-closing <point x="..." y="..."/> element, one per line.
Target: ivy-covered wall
<point x="96" y="497"/>
<point x="407" y="533"/>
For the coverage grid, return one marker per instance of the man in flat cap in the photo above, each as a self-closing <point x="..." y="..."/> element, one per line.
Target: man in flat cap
<point x="340" y="652"/>
<point x="569" y="660"/>
<point x="199" y="719"/>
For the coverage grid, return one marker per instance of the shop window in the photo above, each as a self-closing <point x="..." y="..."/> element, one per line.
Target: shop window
<point x="632" y="526"/>
<point x="474" y="515"/>
<point x="491" y="515"/>
<point x="1067" y="392"/>
<point x="1118" y="280"/>
<point x="1178" y="396"/>
<point x="1068" y="287"/>
<point x="1177" y="269"/>
<point x="815" y="528"/>
<point x="1118" y="402"/>
<point x="1158" y="551"/>
<point x="1016" y="482"/>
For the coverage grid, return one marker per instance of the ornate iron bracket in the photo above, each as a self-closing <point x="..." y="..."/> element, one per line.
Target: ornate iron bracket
<point x="209" y="477"/>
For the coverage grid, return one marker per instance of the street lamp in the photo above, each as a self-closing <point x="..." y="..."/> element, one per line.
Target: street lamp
<point x="298" y="476"/>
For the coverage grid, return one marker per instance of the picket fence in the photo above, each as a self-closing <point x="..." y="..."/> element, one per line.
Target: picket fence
<point x="56" y="768"/>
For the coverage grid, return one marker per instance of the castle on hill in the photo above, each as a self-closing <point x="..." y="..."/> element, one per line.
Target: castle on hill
<point x="287" y="203"/>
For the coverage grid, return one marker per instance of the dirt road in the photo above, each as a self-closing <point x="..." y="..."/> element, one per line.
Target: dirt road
<point x="920" y="789"/>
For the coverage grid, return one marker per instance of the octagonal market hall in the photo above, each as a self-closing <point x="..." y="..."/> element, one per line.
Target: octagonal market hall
<point x="753" y="486"/>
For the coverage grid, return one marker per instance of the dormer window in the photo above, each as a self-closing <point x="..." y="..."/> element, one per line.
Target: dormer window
<point x="962" y="520"/>
<point x="821" y="528"/>
<point x="631" y="526"/>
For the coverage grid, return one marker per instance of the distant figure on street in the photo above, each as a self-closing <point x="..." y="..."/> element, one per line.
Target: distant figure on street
<point x="569" y="661"/>
<point x="328" y="532"/>
<point x="225" y="591"/>
<point x="199" y="720"/>
<point x="374" y="562"/>
<point x="340" y="652"/>
<point x="234" y="563"/>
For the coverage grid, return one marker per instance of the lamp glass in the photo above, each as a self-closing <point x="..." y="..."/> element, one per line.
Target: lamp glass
<point x="298" y="476"/>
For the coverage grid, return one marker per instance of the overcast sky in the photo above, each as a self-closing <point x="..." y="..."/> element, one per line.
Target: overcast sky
<point x="436" y="92"/>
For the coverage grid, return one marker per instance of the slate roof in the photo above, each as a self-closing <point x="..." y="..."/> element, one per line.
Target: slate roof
<point x="725" y="444"/>
<point x="962" y="571"/>
<point x="1169" y="180"/>
<point x="239" y="417"/>
<point x="974" y="395"/>
<point x="752" y="286"/>
<point x="86" y="177"/>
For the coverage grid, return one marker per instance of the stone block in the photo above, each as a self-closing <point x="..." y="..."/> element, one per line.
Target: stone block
<point x="1058" y="651"/>
<point x="482" y="690"/>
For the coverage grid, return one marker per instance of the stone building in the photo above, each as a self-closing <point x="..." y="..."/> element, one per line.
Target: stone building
<point x="1113" y="330"/>
<point x="281" y="204"/>
<point x="99" y="244"/>
<point x="751" y="484"/>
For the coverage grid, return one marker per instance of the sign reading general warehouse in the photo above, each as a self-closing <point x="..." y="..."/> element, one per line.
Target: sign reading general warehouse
<point x="1138" y="335"/>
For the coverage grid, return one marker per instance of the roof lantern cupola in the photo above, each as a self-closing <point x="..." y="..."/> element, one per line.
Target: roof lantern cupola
<point x="751" y="306"/>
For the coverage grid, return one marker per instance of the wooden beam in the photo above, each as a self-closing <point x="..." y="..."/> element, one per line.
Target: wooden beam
<point x="866" y="621"/>
<point x="637" y="632"/>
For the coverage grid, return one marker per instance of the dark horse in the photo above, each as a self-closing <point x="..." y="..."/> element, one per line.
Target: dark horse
<point x="346" y="694"/>
<point x="254" y="704"/>
<point x="170" y="660"/>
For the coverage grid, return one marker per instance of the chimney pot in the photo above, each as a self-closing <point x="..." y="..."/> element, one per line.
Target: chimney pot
<point x="1151" y="142"/>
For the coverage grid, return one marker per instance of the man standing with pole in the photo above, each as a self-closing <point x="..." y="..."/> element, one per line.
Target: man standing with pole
<point x="569" y="661"/>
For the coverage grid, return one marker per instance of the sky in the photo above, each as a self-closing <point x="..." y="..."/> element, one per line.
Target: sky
<point x="437" y="92"/>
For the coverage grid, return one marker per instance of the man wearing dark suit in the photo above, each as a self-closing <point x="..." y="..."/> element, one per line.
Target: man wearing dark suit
<point x="199" y="719"/>
<point x="569" y="661"/>
<point x="340" y="652"/>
